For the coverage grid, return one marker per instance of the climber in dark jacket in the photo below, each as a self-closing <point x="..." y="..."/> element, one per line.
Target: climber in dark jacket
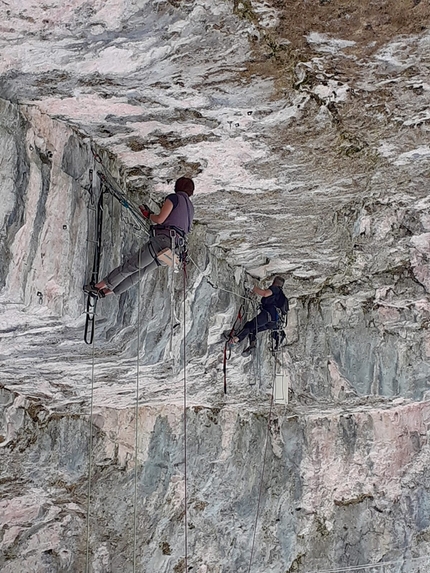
<point x="176" y="215"/>
<point x="267" y="319"/>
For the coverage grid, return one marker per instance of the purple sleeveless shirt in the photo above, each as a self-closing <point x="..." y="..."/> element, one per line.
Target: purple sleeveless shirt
<point x="181" y="215"/>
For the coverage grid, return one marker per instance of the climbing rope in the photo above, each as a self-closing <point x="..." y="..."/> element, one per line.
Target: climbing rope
<point x="216" y="287"/>
<point x="257" y="369"/>
<point x="185" y="431"/>
<point x="384" y="565"/>
<point x="172" y="289"/>
<point x="89" y="339"/>
<point x="136" y="424"/>
<point x="90" y="448"/>
<point x="260" y="492"/>
<point x="109" y="184"/>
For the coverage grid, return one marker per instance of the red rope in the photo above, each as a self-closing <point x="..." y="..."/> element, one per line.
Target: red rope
<point x="226" y="346"/>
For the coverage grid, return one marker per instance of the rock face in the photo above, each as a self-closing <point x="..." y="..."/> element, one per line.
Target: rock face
<point x="305" y="128"/>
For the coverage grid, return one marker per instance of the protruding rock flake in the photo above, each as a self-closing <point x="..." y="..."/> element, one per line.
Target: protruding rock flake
<point x="160" y="446"/>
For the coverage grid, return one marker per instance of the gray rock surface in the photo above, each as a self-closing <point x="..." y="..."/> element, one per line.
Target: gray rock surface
<point x="305" y="128"/>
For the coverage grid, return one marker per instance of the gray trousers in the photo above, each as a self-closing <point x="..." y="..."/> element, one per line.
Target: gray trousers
<point x="135" y="267"/>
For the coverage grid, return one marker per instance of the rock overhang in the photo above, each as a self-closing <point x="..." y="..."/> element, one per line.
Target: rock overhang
<point x="307" y="136"/>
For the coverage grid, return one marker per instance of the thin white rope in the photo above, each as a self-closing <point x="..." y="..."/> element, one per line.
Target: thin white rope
<point x="284" y="376"/>
<point x="185" y="437"/>
<point x="373" y="565"/>
<point x="216" y="286"/>
<point x="136" y="422"/>
<point x="260" y="492"/>
<point x="90" y="447"/>
<point x="172" y="290"/>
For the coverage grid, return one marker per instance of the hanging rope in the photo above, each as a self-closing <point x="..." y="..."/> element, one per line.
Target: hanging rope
<point x="257" y="369"/>
<point x="90" y="448"/>
<point x="89" y="339"/>
<point x="260" y="492"/>
<point x="136" y="424"/>
<point x="383" y="565"/>
<point x="172" y="289"/>
<point x="185" y="430"/>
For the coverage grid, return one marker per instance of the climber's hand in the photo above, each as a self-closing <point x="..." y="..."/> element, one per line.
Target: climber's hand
<point x="249" y="288"/>
<point x="144" y="209"/>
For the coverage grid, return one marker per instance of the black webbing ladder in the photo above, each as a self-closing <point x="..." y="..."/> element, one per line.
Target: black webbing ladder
<point x="91" y="299"/>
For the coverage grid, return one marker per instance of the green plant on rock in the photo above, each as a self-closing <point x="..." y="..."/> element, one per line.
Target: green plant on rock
<point x="243" y="9"/>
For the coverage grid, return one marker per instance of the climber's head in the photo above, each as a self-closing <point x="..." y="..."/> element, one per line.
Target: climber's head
<point x="278" y="281"/>
<point x="184" y="185"/>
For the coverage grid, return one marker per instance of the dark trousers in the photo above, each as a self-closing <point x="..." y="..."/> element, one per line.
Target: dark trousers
<point x="263" y="321"/>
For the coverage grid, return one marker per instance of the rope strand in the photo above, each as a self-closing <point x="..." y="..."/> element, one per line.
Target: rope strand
<point x="215" y="286"/>
<point x="98" y="223"/>
<point x="185" y="434"/>
<point x="90" y="447"/>
<point x="136" y="425"/>
<point x="383" y="564"/>
<point x="260" y="493"/>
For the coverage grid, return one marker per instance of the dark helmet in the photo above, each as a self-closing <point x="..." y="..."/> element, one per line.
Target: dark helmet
<point x="184" y="185"/>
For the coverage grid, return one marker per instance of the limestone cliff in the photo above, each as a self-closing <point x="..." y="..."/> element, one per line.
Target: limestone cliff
<point x="305" y="128"/>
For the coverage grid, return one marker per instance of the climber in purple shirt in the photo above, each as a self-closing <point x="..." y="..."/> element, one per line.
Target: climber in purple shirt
<point x="176" y="215"/>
